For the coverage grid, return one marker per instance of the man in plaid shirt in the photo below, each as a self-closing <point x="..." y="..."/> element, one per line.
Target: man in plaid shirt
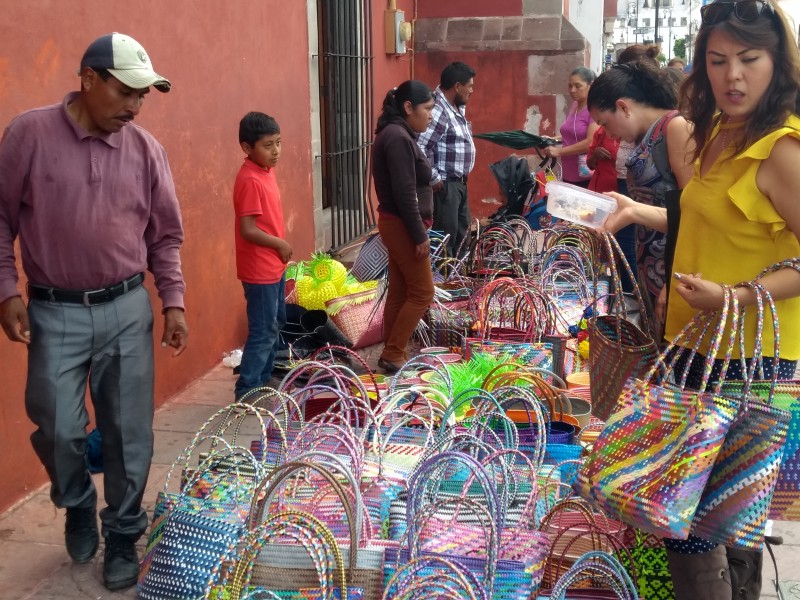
<point x="449" y="147"/>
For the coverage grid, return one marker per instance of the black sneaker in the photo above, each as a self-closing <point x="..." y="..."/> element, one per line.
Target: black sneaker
<point x="121" y="564"/>
<point x="80" y="533"/>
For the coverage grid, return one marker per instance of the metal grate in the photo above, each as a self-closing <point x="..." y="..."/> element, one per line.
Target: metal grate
<point x="346" y="95"/>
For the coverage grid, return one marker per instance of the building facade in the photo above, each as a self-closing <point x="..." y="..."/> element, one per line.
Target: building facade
<point x="637" y="23"/>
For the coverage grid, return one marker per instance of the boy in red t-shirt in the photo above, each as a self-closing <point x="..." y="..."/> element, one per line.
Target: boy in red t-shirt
<point x="261" y="250"/>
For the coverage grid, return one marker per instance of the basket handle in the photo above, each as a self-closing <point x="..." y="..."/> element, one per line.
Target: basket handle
<point x="434" y="577"/>
<point x="312" y="435"/>
<point x="431" y="468"/>
<point x="303" y="528"/>
<point x="270" y="484"/>
<point x="625" y="588"/>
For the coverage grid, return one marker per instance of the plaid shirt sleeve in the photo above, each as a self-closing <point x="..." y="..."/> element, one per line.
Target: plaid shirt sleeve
<point x="429" y="140"/>
<point x="448" y="141"/>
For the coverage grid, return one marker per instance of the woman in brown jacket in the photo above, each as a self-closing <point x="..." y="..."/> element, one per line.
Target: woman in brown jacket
<point x="402" y="175"/>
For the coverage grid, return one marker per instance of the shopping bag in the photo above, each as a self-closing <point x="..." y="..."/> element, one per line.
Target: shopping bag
<point x="647" y="565"/>
<point x="290" y="542"/>
<point x="279" y="568"/>
<point x="197" y="537"/>
<point x="735" y="504"/>
<point x="372" y="260"/>
<point x="359" y="317"/>
<point x="618" y="349"/>
<point x="651" y="463"/>
<point x="597" y="567"/>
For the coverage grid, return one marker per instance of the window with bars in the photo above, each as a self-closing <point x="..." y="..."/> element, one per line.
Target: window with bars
<point x="346" y="90"/>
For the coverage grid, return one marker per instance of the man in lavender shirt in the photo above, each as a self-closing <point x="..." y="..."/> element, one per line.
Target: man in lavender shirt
<point x="91" y="198"/>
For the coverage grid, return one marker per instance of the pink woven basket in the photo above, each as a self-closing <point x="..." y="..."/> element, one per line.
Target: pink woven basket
<point x="359" y="316"/>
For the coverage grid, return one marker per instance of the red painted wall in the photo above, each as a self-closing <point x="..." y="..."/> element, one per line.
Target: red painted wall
<point x="222" y="63"/>
<point x="433" y="9"/>
<point x="499" y="103"/>
<point x="389" y="70"/>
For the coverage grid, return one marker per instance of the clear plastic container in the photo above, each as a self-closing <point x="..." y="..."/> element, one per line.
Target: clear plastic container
<point x="575" y="204"/>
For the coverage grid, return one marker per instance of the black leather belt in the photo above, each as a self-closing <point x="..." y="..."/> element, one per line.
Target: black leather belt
<point x="88" y="297"/>
<point x="462" y="179"/>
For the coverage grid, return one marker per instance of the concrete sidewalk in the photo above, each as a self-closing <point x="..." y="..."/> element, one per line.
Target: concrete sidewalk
<point x="35" y="565"/>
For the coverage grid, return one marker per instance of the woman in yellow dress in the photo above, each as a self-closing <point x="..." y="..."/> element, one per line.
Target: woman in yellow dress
<point x="740" y="213"/>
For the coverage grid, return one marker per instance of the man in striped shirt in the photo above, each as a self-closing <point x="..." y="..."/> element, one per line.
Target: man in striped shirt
<point x="449" y="147"/>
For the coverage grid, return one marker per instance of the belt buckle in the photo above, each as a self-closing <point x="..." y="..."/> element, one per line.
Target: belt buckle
<point x="87" y="300"/>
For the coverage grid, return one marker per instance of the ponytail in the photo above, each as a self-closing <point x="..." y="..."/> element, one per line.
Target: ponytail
<point x="413" y="91"/>
<point x="639" y="81"/>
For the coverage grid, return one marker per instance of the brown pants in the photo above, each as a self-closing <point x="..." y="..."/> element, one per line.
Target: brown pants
<point x="410" y="289"/>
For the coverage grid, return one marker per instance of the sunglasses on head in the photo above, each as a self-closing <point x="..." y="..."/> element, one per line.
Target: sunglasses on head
<point x="744" y="10"/>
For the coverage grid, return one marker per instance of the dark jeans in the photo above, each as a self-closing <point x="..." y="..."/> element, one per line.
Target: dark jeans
<point x="451" y="213"/>
<point x="266" y="315"/>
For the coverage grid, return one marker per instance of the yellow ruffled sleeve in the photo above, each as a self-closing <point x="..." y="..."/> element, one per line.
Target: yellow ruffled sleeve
<point x="745" y="193"/>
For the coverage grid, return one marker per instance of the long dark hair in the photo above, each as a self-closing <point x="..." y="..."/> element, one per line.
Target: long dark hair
<point x="639" y="81"/>
<point x="770" y="32"/>
<point x="413" y="91"/>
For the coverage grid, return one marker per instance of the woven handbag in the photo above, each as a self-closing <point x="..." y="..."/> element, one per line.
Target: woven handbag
<point x="574" y="529"/>
<point x="359" y="317"/>
<point x="532" y="355"/>
<point x="278" y="568"/>
<point x="205" y="488"/>
<point x="197" y="537"/>
<point x="372" y="260"/>
<point x="511" y="558"/>
<point x="785" y="395"/>
<point x="503" y="579"/>
<point x="516" y="502"/>
<point x="618" y="350"/>
<point x="595" y="566"/>
<point x="735" y="504"/>
<point x="289" y="538"/>
<point x="434" y="577"/>
<point x="450" y="322"/>
<point x="513" y="310"/>
<point x="497" y="251"/>
<point x="394" y="452"/>
<point x="650" y="464"/>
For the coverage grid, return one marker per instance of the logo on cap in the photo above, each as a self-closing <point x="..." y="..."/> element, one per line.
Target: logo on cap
<point x="142" y="56"/>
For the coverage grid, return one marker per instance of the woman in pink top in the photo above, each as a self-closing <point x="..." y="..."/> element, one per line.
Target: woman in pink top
<point x="576" y="131"/>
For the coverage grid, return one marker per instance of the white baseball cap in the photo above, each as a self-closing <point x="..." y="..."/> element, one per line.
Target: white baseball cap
<point x="125" y="59"/>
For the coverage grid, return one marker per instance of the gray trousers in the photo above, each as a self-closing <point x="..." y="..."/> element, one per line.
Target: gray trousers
<point x="451" y="213"/>
<point x="110" y="346"/>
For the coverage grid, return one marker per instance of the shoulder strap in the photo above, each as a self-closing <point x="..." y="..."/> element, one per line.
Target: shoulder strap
<point x="658" y="148"/>
<point x="661" y="126"/>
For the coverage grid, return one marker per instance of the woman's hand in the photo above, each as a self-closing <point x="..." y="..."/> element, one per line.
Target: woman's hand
<point x="699" y="293"/>
<point x="623" y="216"/>
<point x="553" y="151"/>
<point x="597" y="155"/>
